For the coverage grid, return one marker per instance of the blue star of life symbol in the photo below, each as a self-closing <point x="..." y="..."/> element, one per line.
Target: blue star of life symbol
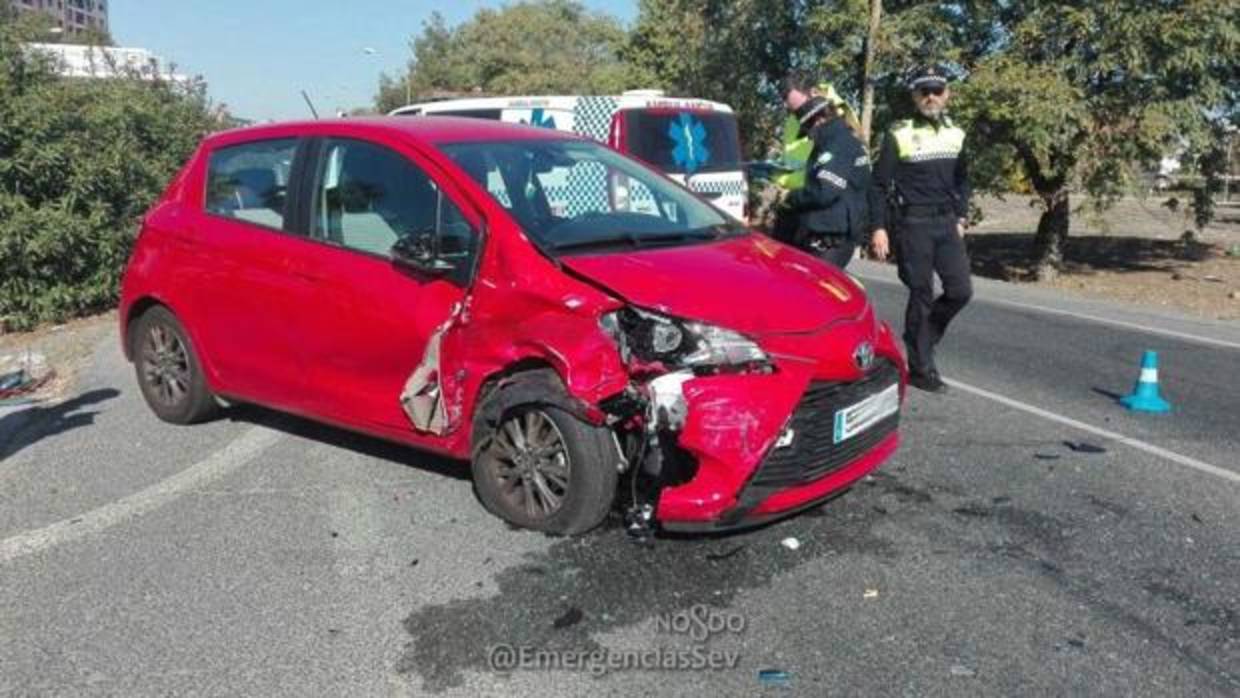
<point x="541" y="120"/>
<point x="689" y="135"/>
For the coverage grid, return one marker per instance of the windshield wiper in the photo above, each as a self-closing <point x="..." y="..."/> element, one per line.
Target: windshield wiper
<point x="636" y="240"/>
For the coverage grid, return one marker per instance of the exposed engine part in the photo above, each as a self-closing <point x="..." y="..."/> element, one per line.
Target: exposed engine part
<point x="623" y="465"/>
<point x="639" y="522"/>
<point x="668" y="409"/>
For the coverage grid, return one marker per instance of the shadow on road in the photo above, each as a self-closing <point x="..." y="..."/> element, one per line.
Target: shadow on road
<point x="358" y="443"/>
<point x="24" y="427"/>
<point x="1010" y="256"/>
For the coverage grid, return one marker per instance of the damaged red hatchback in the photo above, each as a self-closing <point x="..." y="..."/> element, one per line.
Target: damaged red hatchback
<point x="408" y="278"/>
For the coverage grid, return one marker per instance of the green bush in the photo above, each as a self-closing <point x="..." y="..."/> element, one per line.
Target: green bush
<point x="80" y="162"/>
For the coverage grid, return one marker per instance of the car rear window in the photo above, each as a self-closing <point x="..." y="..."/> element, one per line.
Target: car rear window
<point x="682" y="141"/>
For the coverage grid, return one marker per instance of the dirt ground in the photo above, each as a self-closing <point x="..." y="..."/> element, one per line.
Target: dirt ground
<point x="1133" y="253"/>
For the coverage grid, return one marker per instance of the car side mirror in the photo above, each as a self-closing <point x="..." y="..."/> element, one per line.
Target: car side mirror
<point x="417" y="252"/>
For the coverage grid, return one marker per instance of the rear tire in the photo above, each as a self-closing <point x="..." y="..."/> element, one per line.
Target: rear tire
<point x="542" y="468"/>
<point x="168" y="371"/>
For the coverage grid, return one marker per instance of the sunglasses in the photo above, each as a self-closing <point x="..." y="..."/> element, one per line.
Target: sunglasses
<point x="927" y="91"/>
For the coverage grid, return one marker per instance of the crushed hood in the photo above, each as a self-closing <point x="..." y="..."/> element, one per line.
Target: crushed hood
<point x="751" y="284"/>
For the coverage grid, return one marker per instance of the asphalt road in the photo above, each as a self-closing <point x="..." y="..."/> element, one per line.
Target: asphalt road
<point x="266" y="555"/>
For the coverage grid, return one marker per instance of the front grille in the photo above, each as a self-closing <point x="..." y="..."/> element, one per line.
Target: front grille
<point x="813" y="452"/>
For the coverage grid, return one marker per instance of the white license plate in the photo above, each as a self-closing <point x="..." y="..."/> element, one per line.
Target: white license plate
<point x="856" y="418"/>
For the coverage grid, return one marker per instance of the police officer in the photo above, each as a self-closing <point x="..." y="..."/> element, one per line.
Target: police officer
<point x="921" y="194"/>
<point x="831" y="207"/>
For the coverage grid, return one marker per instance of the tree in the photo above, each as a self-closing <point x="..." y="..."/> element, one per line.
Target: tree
<point x="80" y="161"/>
<point x="1087" y="95"/>
<point x="536" y="47"/>
<point x="1070" y="95"/>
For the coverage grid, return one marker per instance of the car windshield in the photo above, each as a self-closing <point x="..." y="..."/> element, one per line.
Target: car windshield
<point x="580" y="195"/>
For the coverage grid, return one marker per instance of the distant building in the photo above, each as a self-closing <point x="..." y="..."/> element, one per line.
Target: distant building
<point x="78" y="61"/>
<point x="73" y="16"/>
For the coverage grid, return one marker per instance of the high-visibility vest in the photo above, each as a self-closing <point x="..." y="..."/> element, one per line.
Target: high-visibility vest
<point x="920" y="141"/>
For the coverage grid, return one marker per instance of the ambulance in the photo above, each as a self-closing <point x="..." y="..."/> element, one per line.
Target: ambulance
<point x="693" y="141"/>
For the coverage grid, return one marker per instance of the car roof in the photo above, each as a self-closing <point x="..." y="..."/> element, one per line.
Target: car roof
<point x="632" y="100"/>
<point x="428" y="129"/>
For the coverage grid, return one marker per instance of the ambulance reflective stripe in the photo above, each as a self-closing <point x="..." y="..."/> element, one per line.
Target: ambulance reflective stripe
<point x="922" y="143"/>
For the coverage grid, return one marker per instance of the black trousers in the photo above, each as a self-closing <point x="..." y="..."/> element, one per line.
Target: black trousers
<point x="840" y="254"/>
<point x="834" y="249"/>
<point x="923" y="247"/>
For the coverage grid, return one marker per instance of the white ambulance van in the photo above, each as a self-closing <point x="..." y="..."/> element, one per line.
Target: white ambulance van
<point x="693" y="141"/>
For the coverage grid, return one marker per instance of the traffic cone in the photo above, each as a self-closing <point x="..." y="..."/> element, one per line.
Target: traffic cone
<point x="1145" y="397"/>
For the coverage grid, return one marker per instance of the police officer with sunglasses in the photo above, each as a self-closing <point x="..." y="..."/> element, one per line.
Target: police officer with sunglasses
<point x="920" y="194"/>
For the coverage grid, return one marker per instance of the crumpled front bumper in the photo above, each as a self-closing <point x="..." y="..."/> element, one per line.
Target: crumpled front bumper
<point x="734" y="426"/>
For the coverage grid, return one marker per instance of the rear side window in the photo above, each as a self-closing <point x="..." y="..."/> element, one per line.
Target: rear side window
<point x="249" y="182"/>
<point x="683" y="142"/>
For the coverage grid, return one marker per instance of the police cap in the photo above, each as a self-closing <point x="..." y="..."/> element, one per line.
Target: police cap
<point x="928" y="75"/>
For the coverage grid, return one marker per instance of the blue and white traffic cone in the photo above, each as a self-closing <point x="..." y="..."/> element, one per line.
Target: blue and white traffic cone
<point x="1145" y="397"/>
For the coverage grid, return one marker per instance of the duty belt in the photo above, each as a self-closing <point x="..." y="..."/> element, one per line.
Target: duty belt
<point x="927" y="210"/>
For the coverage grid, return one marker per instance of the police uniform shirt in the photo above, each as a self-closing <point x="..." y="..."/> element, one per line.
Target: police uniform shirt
<point x="922" y="164"/>
<point x="837" y="179"/>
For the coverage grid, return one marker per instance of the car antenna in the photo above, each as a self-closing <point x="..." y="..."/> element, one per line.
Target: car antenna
<point x="309" y="104"/>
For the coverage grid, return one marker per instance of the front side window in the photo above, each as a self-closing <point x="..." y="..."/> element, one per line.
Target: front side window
<point x="368" y="197"/>
<point x="249" y="182"/>
<point x="576" y="194"/>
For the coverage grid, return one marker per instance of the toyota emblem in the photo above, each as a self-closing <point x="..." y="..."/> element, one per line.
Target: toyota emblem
<point x="863" y="355"/>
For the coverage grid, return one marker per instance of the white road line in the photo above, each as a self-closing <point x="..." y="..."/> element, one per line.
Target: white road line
<point x="240" y="452"/>
<point x="1120" y="438"/>
<point x="1086" y="316"/>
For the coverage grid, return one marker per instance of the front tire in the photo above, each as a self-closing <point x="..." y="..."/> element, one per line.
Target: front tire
<point x="169" y="373"/>
<point x="542" y="468"/>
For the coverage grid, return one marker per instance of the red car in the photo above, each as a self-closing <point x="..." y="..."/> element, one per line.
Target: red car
<point x="406" y="278"/>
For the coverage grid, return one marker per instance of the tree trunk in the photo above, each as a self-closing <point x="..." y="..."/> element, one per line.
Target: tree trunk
<point x="867" y="81"/>
<point x="1052" y="233"/>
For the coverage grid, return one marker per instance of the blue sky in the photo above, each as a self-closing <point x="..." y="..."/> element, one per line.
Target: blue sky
<point x="256" y="55"/>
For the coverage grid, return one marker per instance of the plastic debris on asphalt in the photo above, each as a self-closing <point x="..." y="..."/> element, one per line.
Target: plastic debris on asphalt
<point x="871" y="593"/>
<point x="1084" y="447"/>
<point x="962" y="670"/>
<point x="570" y="618"/>
<point x="790" y="543"/>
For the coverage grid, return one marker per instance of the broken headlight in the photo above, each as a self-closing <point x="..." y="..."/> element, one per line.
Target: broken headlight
<point x="679" y="343"/>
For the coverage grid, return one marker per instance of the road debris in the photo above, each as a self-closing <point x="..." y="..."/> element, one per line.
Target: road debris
<point x="714" y="557"/>
<point x="1046" y="456"/>
<point x="23" y="374"/>
<point x="871" y="593"/>
<point x="790" y="543"/>
<point x="774" y="677"/>
<point x="963" y="671"/>
<point x="1084" y="447"/>
<point x="570" y="618"/>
